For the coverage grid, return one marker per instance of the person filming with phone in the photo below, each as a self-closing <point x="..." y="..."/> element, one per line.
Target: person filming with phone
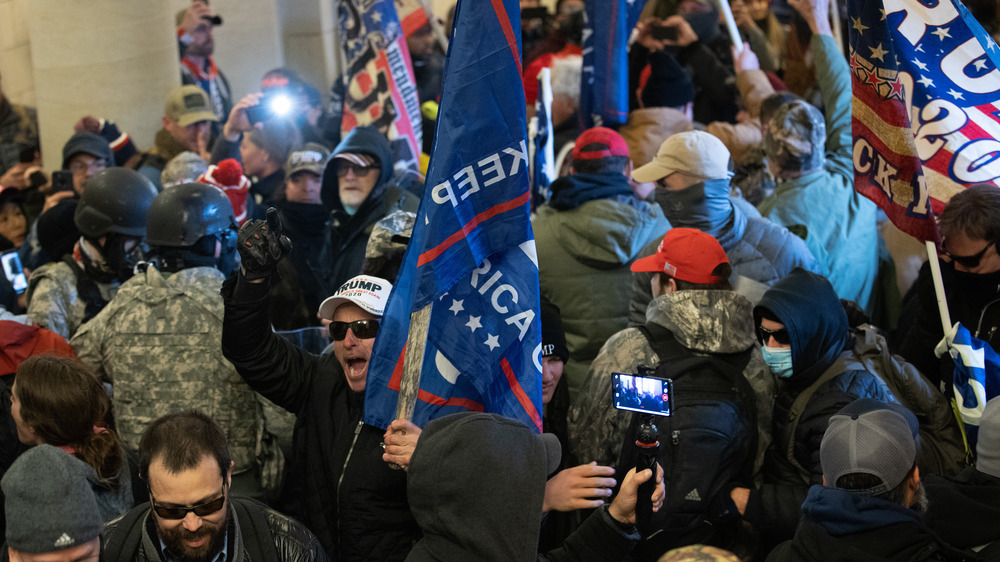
<point x="695" y="320"/>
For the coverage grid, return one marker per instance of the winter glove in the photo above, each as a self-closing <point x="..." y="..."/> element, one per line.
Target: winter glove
<point x="262" y="246"/>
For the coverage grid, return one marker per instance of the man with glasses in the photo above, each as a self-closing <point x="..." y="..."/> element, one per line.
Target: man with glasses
<point x="339" y="486"/>
<point x="805" y="340"/>
<point x="358" y="190"/>
<point x="192" y="514"/>
<point x="970" y="268"/>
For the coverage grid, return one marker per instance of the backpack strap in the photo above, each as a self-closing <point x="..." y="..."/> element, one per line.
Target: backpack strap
<point x="123" y="542"/>
<point x="255" y="531"/>
<point x="799" y="406"/>
<point x="86" y="289"/>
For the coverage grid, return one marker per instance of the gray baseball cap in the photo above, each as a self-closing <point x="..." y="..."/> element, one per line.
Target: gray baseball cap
<point x="870" y="437"/>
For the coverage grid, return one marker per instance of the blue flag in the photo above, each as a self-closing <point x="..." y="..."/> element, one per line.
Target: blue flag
<point x="976" y="378"/>
<point x="471" y="258"/>
<point x="542" y="159"/>
<point x="604" y="80"/>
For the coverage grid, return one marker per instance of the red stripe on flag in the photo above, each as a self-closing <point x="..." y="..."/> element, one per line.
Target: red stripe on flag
<point x="501" y="12"/>
<point x="435" y="400"/>
<point x="397" y="372"/>
<point x="493" y="211"/>
<point x="522" y="396"/>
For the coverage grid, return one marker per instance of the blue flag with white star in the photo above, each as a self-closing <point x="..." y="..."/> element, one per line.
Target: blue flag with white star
<point x="604" y="80"/>
<point x="976" y="378"/>
<point x="926" y="115"/>
<point x="471" y="258"/>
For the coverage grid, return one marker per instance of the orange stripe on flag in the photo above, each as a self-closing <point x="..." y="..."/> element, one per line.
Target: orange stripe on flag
<point x="497" y="209"/>
<point x="522" y="396"/>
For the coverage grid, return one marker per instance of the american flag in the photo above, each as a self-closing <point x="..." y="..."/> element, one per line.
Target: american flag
<point x="926" y="115"/>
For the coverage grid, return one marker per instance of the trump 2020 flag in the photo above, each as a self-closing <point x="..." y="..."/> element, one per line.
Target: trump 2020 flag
<point x="604" y="80"/>
<point x="976" y="378"/>
<point x="926" y="89"/>
<point x="467" y="295"/>
<point x="380" y="88"/>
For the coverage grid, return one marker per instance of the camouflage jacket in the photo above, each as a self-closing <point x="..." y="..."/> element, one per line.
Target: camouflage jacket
<point x="18" y="131"/>
<point x="53" y="300"/>
<point x="159" y="342"/>
<point x="702" y="321"/>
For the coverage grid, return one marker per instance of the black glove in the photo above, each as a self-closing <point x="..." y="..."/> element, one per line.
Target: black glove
<point x="262" y="246"/>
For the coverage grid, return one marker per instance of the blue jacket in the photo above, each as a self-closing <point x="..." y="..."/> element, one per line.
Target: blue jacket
<point x="757" y="248"/>
<point x="837" y="223"/>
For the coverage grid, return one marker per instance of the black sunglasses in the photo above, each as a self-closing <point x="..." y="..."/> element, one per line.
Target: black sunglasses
<point x="780" y="336"/>
<point x="201" y="510"/>
<point x="362" y="329"/>
<point x="359" y="171"/>
<point x="968" y="261"/>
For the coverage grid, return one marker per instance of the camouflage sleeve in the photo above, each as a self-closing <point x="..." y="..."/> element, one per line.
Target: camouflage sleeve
<point x="834" y="80"/>
<point x="596" y="428"/>
<point x="88" y="343"/>
<point x="50" y="305"/>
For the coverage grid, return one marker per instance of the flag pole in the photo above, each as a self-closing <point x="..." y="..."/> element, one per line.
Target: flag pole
<point x="838" y="35"/>
<point x="938" y="286"/>
<point x="734" y="32"/>
<point x="413" y="360"/>
<point x="440" y="34"/>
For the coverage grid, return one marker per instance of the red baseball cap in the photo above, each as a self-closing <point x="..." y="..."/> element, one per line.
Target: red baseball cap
<point x="687" y="254"/>
<point x="599" y="142"/>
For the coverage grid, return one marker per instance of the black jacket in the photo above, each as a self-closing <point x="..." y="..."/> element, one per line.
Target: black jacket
<point x="840" y="526"/>
<point x="347" y="235"/>
<point x="973" y="300"/>
<point x="353" y="502"/>
<point x="818" y="329"/>
<point x="132" y="537"/>
<point x="965" y="508"/>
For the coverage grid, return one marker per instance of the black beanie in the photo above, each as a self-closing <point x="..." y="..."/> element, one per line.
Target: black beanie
<point x="553" y="337"/>
<point x="669" y="84"/>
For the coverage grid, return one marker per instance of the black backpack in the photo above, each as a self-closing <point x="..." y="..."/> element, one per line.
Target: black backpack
<point x="707" y="445"/>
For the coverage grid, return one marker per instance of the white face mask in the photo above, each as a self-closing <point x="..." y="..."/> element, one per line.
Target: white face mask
<point x="779" y="359"/>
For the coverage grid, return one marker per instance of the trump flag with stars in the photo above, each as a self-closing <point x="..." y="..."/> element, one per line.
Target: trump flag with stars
<point x="471" y="258"/>
<point x="926" y="109"/>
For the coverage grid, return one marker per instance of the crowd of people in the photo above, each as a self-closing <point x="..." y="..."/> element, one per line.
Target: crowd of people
<point x="184" y="374"/>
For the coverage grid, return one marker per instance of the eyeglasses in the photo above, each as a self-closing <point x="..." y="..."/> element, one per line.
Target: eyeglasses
<point x="80" y="168"/>
<point x="781" y="336"/>
<point x="362" y="329"/>
<point x="968" y="261"/>
<point x="201" y="510"/>
<point x="359" y="171"/>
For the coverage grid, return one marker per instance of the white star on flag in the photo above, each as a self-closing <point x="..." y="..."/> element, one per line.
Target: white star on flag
<point x="942" y="33"/>
<point x="927" y="82"/>
<point x="956" y="95"/>
<point x="492" y="341"/>
<point x="920" y="65"/>
<point x="980" y="64"/>
<point x="457" y="306"/>
<point x="473" y="323"/>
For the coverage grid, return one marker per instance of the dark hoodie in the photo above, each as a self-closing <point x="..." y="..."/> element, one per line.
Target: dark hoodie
<point x="839" y="525"/>
<point x="475" y="486"/>
<point x="347" y="235"/>
<point x="819" y="333"/>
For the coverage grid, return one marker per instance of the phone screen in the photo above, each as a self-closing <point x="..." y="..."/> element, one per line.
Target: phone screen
<point x="648" y="395"/>
<point x="15" y="273"/>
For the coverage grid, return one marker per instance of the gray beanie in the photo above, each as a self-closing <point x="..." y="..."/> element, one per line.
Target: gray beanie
<point x="50" y="505"/>
<point x="988" y="446"/>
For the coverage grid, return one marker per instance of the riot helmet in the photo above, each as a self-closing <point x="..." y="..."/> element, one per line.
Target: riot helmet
<point x="185" y="223"/>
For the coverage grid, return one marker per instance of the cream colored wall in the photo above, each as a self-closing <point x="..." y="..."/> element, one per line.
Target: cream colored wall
<point x="15" y="53"/>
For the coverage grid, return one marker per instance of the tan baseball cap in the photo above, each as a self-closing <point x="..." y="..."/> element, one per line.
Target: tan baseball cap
<point x="189" y="104"/>
<point x="694" y="153"/>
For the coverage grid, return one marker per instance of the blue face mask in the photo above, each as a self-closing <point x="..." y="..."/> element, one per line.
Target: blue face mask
<point x="779" y="359"/>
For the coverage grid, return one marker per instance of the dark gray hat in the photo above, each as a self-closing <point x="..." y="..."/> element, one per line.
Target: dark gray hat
<point x="796" y="137"/>
<point x="86" y="142"/>
<point x="869" y="438"/>
<point x="50" y="505"/>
